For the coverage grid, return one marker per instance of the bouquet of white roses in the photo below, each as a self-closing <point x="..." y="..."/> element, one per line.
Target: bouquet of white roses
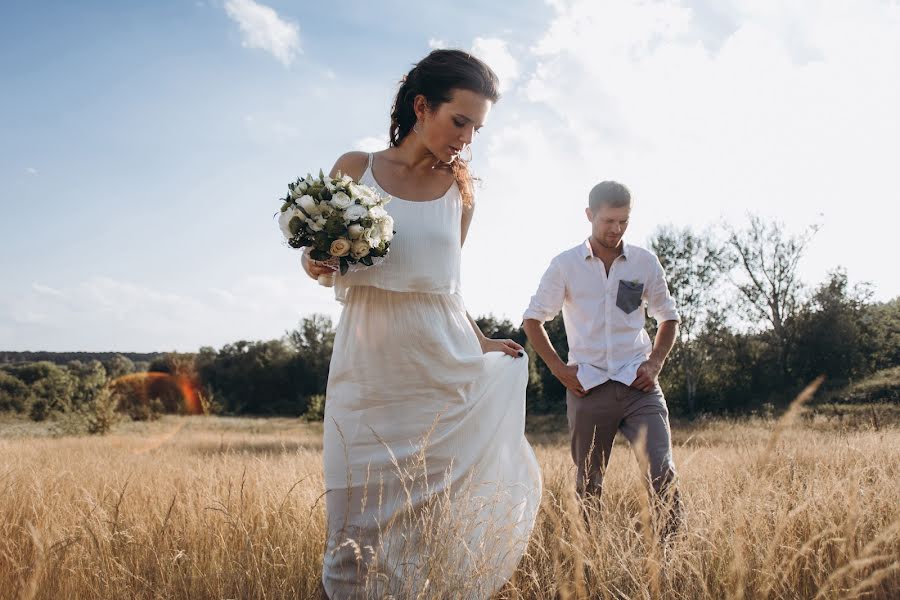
<point x="343" y="223"/>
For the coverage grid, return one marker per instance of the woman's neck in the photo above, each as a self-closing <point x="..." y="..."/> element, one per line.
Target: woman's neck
<point x="412" y="155"/>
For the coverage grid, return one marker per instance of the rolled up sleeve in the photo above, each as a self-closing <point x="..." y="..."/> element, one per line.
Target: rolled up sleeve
<point x="660" y="304"/>
<point x="548" y="300"/>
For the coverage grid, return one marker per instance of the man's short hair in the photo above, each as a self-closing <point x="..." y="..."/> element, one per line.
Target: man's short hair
<point x="609" y="193"/>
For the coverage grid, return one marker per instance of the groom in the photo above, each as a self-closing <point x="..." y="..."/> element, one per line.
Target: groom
<point x="602" y="286"/>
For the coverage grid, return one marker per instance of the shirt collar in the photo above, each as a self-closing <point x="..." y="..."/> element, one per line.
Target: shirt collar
<point x="588" y="252"/>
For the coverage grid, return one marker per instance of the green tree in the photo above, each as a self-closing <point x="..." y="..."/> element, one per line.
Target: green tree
<point x="834" y="338"/>
<point x="118" y="366"/>
<point x="883" y="319"/>
<point x="313" y="340"/>
<point x="695" y="265"/>
<point x="260" y="378"/>
<point x="545" y="393"/>
<point x="14" y="393"/>
<point x="89" y="379"/>
<point x="770" y="288"/>
<point x="52" y="387"/>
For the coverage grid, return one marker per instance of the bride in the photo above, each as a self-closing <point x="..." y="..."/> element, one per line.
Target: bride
<point x="431" y="486"/>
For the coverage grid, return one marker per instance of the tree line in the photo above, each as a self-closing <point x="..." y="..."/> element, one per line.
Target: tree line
<point x="752" y="333"/>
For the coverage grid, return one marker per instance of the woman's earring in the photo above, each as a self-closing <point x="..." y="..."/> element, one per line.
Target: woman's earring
<point x="416" y="128"/>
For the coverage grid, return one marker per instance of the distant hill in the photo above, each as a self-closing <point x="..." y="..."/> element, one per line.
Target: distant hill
<point x="62" y="358"/>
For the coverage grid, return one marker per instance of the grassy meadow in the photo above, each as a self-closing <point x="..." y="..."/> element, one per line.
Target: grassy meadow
<point x="215" y="507"/>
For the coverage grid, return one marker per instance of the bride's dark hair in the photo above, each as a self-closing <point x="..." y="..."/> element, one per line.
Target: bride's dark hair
<point x="435" y="77"/>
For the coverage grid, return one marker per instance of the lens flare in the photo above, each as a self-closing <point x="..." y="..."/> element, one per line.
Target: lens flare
<point x="150" y="385"/>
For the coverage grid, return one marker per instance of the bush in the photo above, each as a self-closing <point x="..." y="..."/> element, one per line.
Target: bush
<point x="100" y="412"/>
<point x="39" y="410"/>
<point x="315" y="408"/>
<point x="14" y="394"/>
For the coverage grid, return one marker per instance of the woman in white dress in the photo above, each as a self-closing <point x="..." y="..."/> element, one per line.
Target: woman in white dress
<point x="431" y="486"/>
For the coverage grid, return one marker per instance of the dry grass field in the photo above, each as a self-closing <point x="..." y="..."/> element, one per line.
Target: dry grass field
<point x="211" y="507"/>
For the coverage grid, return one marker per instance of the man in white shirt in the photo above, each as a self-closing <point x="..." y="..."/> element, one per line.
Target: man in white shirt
<point x="602" y="286"/>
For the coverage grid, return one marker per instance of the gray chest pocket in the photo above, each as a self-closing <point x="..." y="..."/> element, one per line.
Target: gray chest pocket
<point x="628" y="297"/>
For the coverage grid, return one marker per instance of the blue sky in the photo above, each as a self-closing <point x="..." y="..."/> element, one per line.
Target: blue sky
<point x="144" y="144"/>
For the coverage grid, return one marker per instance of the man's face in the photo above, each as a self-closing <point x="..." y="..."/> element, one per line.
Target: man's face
<point x="608" y="224"/>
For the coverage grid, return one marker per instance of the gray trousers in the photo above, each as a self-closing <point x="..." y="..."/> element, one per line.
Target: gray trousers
<point x="607" y="409"/>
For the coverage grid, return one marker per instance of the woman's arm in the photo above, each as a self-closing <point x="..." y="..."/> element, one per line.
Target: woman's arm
<point x="491" y="345"/>
<point x="467" y="212"/>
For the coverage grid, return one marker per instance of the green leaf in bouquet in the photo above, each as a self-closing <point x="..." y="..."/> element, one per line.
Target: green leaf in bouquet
<point x="321" y="175"/>
<point x="317" y="254"/>
<point x="335" y="227"/>
<point x="321" y="241"/>
<point x="345" y="265"/>
<point x="286" y="205"/>
<point x="295" y="225"/>
<point x="366" y="222"/>
<point x="324" y="195"/>
<point x="367" y="260"/>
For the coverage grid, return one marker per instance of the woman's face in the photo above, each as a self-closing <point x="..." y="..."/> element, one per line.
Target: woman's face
<point x="447" y="130"/>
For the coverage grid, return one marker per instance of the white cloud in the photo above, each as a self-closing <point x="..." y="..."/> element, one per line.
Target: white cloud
<point x="495" y="53"/>
<point x="372" y="143"/>
<point x="102" y="313"/>
<point x="45" y="289"/>
<point x="262" y="28"/>
<point x="786" y="110"/>
<point x="435" y="44"/>
<point x="31" y="171"/>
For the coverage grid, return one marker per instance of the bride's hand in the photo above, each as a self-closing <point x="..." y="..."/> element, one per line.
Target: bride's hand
<point x="312" y="267"/>
<point x="504" y="346"/>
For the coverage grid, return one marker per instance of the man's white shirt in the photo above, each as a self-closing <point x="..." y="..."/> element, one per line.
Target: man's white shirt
<point x="604" y="314"/>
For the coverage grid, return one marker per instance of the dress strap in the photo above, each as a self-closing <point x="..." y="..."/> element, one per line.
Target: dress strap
<point x="369" y="164"/>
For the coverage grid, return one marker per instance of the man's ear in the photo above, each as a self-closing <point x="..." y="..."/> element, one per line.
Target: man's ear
<point x="589" y="213"/>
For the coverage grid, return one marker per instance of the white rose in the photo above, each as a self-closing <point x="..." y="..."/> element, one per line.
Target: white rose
<point x="341" y="200"/>
<point x="359" y="248"/>
<point x="308" y="203"/>
<point x="302" y="186"/>
<point x="356" y="231"/>
<point x="377" y="212"/>
<point x="364" y="194"/>
<point x="347" y="179"/>
<point x="374" y="237"/>
<point x="329" y="186"/>
<point x="386" y="228"/>
<point x="284" y="220"/>
<point x="340" y="247"/>
<point x="313" y="225"/>
<point x="355" y="213"/>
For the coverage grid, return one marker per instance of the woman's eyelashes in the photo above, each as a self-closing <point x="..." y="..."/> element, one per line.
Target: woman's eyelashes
<point x="461" y="124"/>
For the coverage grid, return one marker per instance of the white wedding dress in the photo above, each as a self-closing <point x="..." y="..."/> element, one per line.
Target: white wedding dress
<point x="431" y="486"/>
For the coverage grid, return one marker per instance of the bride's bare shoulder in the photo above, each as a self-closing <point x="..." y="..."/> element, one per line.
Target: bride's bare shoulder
<point x="351" y="163"/>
